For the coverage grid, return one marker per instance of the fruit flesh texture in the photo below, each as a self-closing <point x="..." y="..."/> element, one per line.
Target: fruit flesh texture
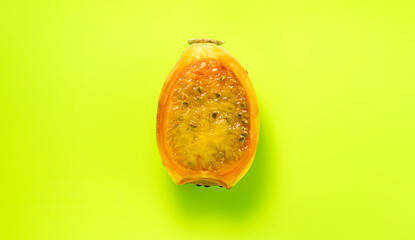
<point x="208" y="117"/>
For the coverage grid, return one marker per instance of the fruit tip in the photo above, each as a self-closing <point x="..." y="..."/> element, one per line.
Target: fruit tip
<point x="205" y="40"/>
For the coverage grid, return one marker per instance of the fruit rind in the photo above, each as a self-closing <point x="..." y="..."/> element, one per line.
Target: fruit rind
<point x="227" y="177"/>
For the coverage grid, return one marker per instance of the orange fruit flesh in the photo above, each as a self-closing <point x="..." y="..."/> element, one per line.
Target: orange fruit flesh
<point x="208" y="116"/>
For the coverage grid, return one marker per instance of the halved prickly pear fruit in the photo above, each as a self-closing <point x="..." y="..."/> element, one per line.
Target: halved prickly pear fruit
<point x="208" y="118"/>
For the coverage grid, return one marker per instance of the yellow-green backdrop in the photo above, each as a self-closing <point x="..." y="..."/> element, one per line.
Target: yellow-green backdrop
<point x="79" y="84"/>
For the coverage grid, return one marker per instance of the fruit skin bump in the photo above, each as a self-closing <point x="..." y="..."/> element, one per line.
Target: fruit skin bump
<point x="228" y="176"/>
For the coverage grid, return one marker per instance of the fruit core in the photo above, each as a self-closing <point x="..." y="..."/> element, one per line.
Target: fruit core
<point x="208" y="116"/>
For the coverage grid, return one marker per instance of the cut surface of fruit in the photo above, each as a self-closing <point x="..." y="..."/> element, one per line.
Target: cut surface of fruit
<point x="207" y="118"/>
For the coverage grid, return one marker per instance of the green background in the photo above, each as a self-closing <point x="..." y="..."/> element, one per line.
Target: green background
<point x="79" y="85"/>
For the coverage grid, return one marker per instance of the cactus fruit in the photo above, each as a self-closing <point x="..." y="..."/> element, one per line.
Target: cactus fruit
<point x="207" y="118"/>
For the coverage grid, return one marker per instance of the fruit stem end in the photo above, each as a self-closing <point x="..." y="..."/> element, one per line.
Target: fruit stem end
<point x="205" y="40"/>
